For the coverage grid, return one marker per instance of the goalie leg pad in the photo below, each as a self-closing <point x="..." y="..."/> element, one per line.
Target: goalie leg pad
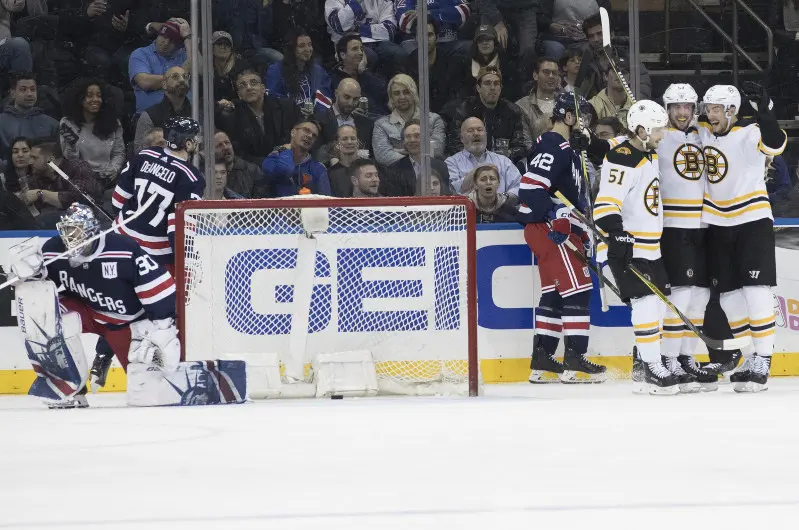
<point x="192" y="383"/>
<point x="52" y="341"/>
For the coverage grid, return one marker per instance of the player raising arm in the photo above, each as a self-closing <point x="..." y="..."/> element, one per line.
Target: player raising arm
<point x="565" y="281"/>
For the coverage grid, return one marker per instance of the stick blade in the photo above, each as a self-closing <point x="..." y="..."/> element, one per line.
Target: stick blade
<point x="605" y="18"/>
<point x="735" y="344"/>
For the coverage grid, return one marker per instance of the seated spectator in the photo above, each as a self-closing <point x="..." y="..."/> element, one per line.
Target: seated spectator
<point x="592" y="27"/>
<point x="90" y="130"/>
<point x="252" y="30"/>
<point x="375" y="22"/>
<point x="504" y="120"/>
<point x="364" y="178"/>
<point x="15" y="52"/>
<point x="403" y="178"/>
<point x="298" y="77"/>
<point x="257" y="122"/>
<point x="175" y="102"/>
<point x="243" y="178"/>
<point x="351" y="64"/>
<point x="441" y="73"/>
<point x="569" y="64"/>
<point x="290" y="168"/>
<point x="564" y="21"/>
<point x="17" y="175"/>
<point x="450" y="15"/>
<point x="612" y="101"/>
<point x="50" y="193"/>
<point x="438" y="185"/>
<point x="474" y="153"/>
<point x="485" y="52"/>
<point x="403" y="100"/>
<point x="346" y="150"/>
<point x="609" y="128"/>
<point x="482" y="187"/>
<point x="778" y="179"/>
<point x="22" y="117"/>
<point x="219" y="188"/>
<point x="346" y="112"/>
<point x="14" y="215"/>
<point x="154" y="138"/>
<point x="147" y="66"/>
<point x="538" y="105"/>
<point x="522" y="19"/>
<point x="226" y="65"/>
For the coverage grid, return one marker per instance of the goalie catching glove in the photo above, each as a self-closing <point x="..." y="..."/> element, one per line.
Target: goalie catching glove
<point x="26" y="260"/>
<point x="155" y="342"/>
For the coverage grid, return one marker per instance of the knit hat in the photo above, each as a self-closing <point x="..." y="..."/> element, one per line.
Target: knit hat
<point x="221" y="35"/>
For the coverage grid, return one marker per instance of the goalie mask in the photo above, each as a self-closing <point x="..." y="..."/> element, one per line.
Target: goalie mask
<point x="77" y="225"/>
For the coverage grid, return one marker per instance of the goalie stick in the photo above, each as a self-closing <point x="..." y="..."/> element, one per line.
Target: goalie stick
<point x="726" y="344"/>
<point x="114" y="226"/>
<point x="609" y="53"/>
<point x="75" y="186"/>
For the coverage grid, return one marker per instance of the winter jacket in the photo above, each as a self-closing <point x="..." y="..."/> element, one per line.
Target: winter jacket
<point x="247" y="179"/>
<point x="250" y="140"/>
<point x="504" y="211"/>
<point x="535" y="122"/>
<point x="387" y="140"/>
<point x="313" y="79"/>
<point x="373" y="19"/>
<point x="6" y="8"/>
<point x="288" y="178"/>
<point x="450" y="15"/>
<point x="441" y="75"/>
<point x="506" y="120"/>
<point x="105" y="156"/>
<point x="373" y="88"/>
<point x="605" y="107"/>
<point x="30" y="123"/>
<point x="80" y="176"/>
<point x="156" y="116"/>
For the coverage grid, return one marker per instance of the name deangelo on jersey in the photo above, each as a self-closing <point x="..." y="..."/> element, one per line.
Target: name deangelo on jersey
<point x="160" y="171"/>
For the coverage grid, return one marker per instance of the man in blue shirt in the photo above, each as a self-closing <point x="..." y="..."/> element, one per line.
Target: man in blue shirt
<point x="148" y="65"/>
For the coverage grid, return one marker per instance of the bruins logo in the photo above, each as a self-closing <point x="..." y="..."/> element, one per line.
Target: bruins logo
<point x="716" y="163"/>
<point x="689" y="162"/>
<point x="623" y="151"/>
<point x="652" y="197"/>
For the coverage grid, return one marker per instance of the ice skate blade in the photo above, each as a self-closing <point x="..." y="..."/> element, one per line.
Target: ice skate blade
<point x="690" y="388"/>
<point x="571" y="377"/>
<point x="655" y="390"/>
<point x="542" y="377"/>
<point x="639" y="387"/>
<point x="78" y="402"/>
<point x="709" y="387"/>
<point x="749" y="387"/>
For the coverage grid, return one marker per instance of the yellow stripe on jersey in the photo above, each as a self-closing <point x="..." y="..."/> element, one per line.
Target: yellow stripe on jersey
<point x="602" y="211"/>
<point x="647" y="325"/>
<point x="773" y="152"/>
<point x="646" y="246"/>
<point x="742" y="198"/>
<point x="611" y="200"/>
<point x="761" y="321"/>
<point x="646" y="234"/>
<point x="683" y="202"/>
<point x="737" y="213"/>
<point x="695" y="215"/>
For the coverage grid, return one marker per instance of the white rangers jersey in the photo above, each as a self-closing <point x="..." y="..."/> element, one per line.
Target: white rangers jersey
<point x="736" y="164"/>
<point x="682" y="178"/>
<point x="629" y="196"/>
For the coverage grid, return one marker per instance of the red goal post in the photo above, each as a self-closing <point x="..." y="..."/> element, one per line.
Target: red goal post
<point x="395" y="276"/>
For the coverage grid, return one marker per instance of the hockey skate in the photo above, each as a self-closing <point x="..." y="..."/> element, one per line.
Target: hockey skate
<point x="638" y="367"/>
<point x="708" y="381"/>
<point x="544" y="367"/>
<point x="687" y="382"/>
<point x="578" y="369"/>
<point x="753" y="375"/>
<point x="78" y="401"/>
<point x="99" y="371"/>
<point x="724" y="369"/>
<point x="658" y="381"/>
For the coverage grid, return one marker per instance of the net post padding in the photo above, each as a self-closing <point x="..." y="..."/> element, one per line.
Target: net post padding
<point x="392" y="275"/>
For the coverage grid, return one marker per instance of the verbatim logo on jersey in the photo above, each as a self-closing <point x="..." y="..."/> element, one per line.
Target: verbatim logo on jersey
<point x="373" y="289"/>
<point x="162" y="172"/>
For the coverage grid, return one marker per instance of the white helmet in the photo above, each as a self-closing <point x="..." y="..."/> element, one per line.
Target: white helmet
<point x="726" y="95"/>
<point x="647" y="114"/>
<point x="680" y="93"/>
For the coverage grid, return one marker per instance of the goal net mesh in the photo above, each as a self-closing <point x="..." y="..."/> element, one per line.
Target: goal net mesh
<point x="388" y="279"/>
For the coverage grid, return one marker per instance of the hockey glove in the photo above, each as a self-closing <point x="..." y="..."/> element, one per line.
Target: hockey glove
<point x="580" y="139"/>
<point x="757" y="96"/>
<point x="559" y="225"/>
<point x="26" y="259"/>
<point x="588" y="247"/>
<point x="620" y="247"/>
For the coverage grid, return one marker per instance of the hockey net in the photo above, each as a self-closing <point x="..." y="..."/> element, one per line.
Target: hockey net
<point x="394" y="276"/>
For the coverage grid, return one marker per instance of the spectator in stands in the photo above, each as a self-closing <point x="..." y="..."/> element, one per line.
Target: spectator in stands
<point x="474" y="153"/>
<point x="298" y="77"/>
<point x="154" y="138"/>
<point x="438" y="186"/>
<point x="226" y="65"/>
<point x="290" y="168"/>
<point x="613" y="100"/>
<point x="346" y="150"/>
<point x="90" y="130"/>
<point x="592" y="27"/>
<point x="257" y="122"/>
<point x="15" y="52"/>
<point x="374" y="21"/>
<point x="17" y="174"/>
<point x="607" y="128"/>
<point x="107" y="37"/>
<point x="521" y="16"/>
<point x="504" y="120"/>
<point x="351" y="64"/>
<point x="345" y="108"/>
<point x="175" y="102"/>
<point x="563" y="20"/>
<point x="365" y="178"/>
<point x="451" y="15"/>
<point x="245" y="179"/>
<point x="148" y="65"/>
<point x="441" y="74"/>
<point x="50" y="193"/>
<point x="482" y="187"/>
<point x="22" y="117"/>
<point x="403" y="100"/>
<point x="569" y="64"/>
<point x="778" y="179"/>
<point x="403" y="177"/>
<point x="16" y="179"/>
<point x="538" y="105"/>
<point x="485" y="52"/>
<point x="252" y="31"/>
<point x="219" y="188"/>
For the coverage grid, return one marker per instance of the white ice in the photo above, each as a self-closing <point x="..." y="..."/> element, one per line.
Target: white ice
<point x="520" y="457"/>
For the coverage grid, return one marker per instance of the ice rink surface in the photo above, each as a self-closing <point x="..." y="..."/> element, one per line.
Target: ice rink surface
<point x="520" y="457"/>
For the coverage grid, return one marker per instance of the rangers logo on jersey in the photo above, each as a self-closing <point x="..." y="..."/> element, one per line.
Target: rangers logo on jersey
<point x="689" y="162"/>
<point x="109" y="270"/>
<point x="652" y="197"/>
<point x="716" y="163"/>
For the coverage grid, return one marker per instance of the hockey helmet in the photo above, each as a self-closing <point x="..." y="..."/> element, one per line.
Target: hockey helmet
<point x="680" y="93"/>
<point x="77" y="224"/>
<point x="647" y="114"/>
<point x="726" y="95"/>
<point x="178" y="130"/>
<point x="564" y="102"/>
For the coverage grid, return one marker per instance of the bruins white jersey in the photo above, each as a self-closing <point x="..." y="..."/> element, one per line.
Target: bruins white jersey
<point x="735" y="163"/>
<point x="630" y="187"/>
<point x="682" y="178"/>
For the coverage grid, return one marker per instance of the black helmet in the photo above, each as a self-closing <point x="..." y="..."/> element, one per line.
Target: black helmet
<point x="178" y="130"/>
<point x="564" y="102"/>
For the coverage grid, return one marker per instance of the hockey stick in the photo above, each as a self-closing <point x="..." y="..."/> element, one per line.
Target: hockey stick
<point x="91" y="240"/>
<point x="608" y="49"/>
<point x="597" y="271"/>
<point x="726" y="344"/>
<point x="88" y="199"/>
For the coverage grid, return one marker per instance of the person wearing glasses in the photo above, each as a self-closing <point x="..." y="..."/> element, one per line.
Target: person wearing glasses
<point x="174" y="103"/>
<point x="540" y="102"/>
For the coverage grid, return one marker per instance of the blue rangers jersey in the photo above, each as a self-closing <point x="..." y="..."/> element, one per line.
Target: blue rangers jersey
<point x="450" y="15"/>
<point x="553" y="166"/>
<point x="155" y="171"/>
<point x="119" y="281"/>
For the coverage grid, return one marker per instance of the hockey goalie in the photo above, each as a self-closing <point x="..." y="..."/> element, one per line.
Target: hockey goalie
<point x="85" y="281"/>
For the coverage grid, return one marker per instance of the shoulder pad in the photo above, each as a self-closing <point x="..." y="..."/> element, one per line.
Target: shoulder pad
<point x="625" y="155"/>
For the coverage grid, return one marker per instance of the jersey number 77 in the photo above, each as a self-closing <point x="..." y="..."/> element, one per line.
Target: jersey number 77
<point x="147" y="188"/>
